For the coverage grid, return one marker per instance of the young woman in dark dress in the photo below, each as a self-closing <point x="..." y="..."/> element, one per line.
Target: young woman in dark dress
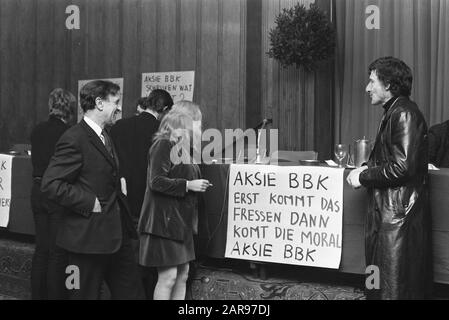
<point x="169" y="215"/>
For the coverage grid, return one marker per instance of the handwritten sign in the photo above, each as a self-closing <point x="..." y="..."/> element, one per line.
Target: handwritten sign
<point x="81" y="83"/>
<point x="5" y="188"/>
<point x="290" y="215"/>
<point x="178" y="84"/>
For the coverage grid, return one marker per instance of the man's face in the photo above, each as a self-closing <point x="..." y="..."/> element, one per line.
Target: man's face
<point x="111" y="108"/>
<point x="376" y="90"/>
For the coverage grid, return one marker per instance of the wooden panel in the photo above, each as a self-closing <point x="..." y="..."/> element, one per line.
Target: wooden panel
<point x="208" y="70"/>
<point x="131" y="57"/>
<point x="253" y="63"/>
<point x="61" y="45"/>
<point x="26" y="25"/>
<point x="79" y="48"/>
<point x="167" y="37"/>
<point x="149" y="31"/>
<point x="232" y="55"/>
<point x="8" y="71"/>
<point x="188" y="29"/>
<point x="120" y="39"/>
<point x="44" y="57"/>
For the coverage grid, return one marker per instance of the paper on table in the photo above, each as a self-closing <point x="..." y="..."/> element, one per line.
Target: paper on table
<point x="331" y="163"/>
<point x="432" y="167"/>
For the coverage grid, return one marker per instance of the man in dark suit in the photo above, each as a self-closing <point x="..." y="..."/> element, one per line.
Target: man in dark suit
<point x="132" y="138"/>
<point x="49" y="261"/>
<point x="83" y="176"/>
<point x="439" y="145"/>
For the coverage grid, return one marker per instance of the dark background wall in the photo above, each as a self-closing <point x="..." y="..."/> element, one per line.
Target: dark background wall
<point x="224" y="41"/>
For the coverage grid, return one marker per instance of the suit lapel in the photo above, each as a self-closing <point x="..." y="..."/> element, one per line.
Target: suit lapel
<point x="96" y="141"/>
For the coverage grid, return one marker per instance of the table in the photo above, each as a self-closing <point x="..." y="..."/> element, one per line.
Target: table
<point x="20" y="214"/>
<point x="213" y="221"/>
<point x="213" y="216"/>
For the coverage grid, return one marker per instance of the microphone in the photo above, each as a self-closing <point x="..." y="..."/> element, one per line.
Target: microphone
<point x="264" y="123"/>
<point x="268" y="121"/>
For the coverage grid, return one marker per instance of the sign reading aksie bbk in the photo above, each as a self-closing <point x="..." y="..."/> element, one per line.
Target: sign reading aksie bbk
<point x="5" y="188"/>
<point x="179" y="84"/>
<point x="290" y="215"/>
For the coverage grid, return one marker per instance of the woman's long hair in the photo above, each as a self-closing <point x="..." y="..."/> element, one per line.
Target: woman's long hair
<point x="180" y="125"/>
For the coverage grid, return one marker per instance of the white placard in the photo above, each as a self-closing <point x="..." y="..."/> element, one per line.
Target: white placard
<point x="282" y="214"/>
<point x="179" y="84"/>
<point x="5" y="188"/>
<point x="81" y="83"/>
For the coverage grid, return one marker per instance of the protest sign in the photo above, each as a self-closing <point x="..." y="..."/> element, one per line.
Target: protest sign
<point x="290" y="215"/>
<point x="5" y="188"/>
<point x="179" y="84"/>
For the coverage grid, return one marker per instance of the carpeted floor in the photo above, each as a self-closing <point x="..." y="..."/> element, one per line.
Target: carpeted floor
<point x="215" y="279"/>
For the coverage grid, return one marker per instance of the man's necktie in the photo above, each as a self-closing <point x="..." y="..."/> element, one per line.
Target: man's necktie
<point x="107" y="143"/>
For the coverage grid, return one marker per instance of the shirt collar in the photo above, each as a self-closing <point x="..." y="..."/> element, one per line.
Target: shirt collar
<point x="93" y="125"/>
<point x="149" y="111"/>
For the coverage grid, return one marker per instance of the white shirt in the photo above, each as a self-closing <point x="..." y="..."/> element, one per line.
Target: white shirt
<point x="95" y="127"/>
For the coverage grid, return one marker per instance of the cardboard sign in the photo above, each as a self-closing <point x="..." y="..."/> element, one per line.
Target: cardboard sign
<point x="291" y="215"/>
<point x="179" y="84"/>
<point x="81" y="83"/>
<point x="5" y="188"/>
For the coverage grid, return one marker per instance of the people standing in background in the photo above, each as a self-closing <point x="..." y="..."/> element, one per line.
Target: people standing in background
<point x="133" y="137"/>
<point x="439" y="145"/>
<point x="398" y="226"/>
<point x="49" y="261"/>
<point x="169" y="216"/>
<point x="83" y="176"/>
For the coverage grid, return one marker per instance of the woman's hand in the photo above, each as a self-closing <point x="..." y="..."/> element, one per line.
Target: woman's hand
<point x="199" y="185"/>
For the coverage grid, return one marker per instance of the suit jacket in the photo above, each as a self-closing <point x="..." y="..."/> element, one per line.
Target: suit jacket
<point x="439" y="144"/>
<point x="80" y="171"/>
<point x="397" y="229"/>
<point x="43" y="141"/>
<point x="168" y="210"/>
<point x="132" y="138"/>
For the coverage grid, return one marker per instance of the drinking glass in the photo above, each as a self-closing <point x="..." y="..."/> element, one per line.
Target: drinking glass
<point x="340" y="150"/>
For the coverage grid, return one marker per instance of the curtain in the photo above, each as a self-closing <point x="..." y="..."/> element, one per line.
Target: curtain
<point x="415" y="31"/>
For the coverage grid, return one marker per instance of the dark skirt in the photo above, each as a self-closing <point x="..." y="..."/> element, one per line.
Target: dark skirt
<point x="162" y="252"/>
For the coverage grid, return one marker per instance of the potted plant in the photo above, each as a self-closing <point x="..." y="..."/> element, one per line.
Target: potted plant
<point x="303" y="37"/>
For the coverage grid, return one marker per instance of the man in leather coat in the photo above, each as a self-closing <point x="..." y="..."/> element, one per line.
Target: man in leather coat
<point x="397" y="229"/>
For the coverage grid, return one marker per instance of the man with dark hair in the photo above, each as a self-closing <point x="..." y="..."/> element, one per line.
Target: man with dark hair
<point x="83" y="176"/>
<point x="133" y="137"/>
<point x="397" y="231"/>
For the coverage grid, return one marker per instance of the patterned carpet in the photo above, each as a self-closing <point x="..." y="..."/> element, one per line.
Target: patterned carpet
<point x="208" y="282"/>
<point x="15" y="268"/>
<point x="212" y="279"/>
